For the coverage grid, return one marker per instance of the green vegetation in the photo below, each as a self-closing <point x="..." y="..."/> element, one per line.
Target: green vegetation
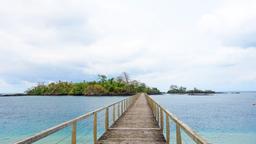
<point x="121" y="85"/>
<point x="182" y="90"/>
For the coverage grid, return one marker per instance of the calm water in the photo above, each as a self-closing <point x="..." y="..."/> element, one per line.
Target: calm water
<point x="221" y="118"/>
<point x="24" y="116"/>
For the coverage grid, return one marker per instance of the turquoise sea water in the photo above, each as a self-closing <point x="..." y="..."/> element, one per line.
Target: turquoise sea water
<point x="26" y="115"/>
<point x="220" y="118"/>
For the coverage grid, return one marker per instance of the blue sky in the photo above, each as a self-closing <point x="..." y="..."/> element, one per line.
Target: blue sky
<point x="205" y="44"/>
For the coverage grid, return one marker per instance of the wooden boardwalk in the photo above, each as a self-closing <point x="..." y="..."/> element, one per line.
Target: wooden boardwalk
<point x="136" y="126"/>
<point x="135" y="122"/>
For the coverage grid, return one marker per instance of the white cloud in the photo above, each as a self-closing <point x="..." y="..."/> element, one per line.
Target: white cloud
<point x="160" y="43"/>
<point x="233" y="23"/>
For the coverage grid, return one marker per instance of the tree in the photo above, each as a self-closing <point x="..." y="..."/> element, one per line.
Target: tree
<point x="102" y="78"/>
<point x="126" y="77"/>
<point x="121" y="85"/>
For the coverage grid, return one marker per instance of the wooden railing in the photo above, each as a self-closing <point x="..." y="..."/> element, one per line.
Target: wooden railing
<point x="164" y="117"/>
<point x="117" y="110"/>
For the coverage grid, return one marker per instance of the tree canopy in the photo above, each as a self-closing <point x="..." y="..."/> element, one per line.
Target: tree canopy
<point x="121" y="85"/>
<point x="183" y="90"/>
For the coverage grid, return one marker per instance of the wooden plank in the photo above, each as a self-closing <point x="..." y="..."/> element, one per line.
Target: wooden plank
<point x="121" y="128"/>
<point x="137" y="125"/>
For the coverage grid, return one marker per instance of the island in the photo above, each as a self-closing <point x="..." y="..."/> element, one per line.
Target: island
<point x="174" y="89"/>
<point x="104" y="86"/>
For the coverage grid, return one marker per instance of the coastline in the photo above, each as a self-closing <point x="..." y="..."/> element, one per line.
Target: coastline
<point x="17" y="95"/>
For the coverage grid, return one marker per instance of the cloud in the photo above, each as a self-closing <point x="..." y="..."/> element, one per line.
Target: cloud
<point x="233" y="23"/>
<point x="160" y="43"/>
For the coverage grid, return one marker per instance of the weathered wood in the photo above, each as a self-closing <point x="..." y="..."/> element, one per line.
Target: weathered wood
<point x="95" y="128"/>
<point x="63" y="125"/>
<point x="136" y="126"/>
<point x="178" y="135"/>
<point x="118" y="110"/>
<point x="161" y="119"/>
<point x="167" y="129"/>
<point x="122" y="107"/>
<point x="142" y="123"/>
<point x="192" y="134"/>
<point x="106" y="119"/>
<point x="74" y="133"/>
<point x="114" y="114"/>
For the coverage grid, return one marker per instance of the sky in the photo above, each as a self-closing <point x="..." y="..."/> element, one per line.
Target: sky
<point x="208" y="44"/>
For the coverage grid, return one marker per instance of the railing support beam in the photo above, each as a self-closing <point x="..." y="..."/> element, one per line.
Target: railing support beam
<point x="106" y="119"/>
<point x="178" y="135"/>
<point x="161" y="119"/>
<point x="167" y="129"/>
<point x="95" y="128"/>
<point x="114" y="114"/>
<point x="74" y="133"/>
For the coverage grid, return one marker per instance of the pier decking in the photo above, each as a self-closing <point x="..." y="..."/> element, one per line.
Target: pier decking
<point x="137" y="119"/>
<point x="137" y="126"/>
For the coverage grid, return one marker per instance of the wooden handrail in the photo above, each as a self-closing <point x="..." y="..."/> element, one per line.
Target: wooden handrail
<point x="74" y="121"/>
<point x="179" y="124"/>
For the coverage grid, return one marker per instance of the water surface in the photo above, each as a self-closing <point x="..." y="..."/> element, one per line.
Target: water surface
<point x="219" y="118"/>
<point x="23" y="116"/>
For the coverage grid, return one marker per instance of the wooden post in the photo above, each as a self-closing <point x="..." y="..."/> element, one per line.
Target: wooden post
<point x="95" y="128"/>
<point x="157" y="114"/>
<point x="122" y="107"/>
<point x="161" y="119"/>
<point x="114" y="114"/>
<point x="167" y="129"/>
<point x="125" y="105"/>
<point x="178" y="135"/>
<point x="106" y="119"/>
<point x="153" y="109"/>
<point x="74" y="133"/>
<point x="118" y="110"/>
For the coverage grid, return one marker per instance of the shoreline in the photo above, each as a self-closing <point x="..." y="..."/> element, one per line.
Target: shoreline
<point x="17" y="95"/>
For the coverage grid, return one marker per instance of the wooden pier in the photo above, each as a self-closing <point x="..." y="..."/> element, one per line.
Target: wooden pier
<point x="137" y="119"/>
<point x="137" y="126"/>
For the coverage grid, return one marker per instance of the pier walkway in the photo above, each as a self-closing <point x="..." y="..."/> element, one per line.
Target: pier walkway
<point x="137" y="119"/>
<point x="136" y="125"/>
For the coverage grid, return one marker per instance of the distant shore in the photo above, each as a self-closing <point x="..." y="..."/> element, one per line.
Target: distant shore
<point x="23" y="94"/>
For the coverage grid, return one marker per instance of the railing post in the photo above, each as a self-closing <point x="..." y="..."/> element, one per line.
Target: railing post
<point x="153" y="109"/>
<point x="167" y="129"/>
<point x="178" y="134"/>
<point x="161" y="119"/>
<point x="106" y="119"/>
<point x="95" y="128"/>
<point x="118" y="110"/>
<point x="74" y="133"/>
<point x="157" y="113"/>
<point x="122" y="107"/>
<point x="114" y="114"/>
<point x="125" y="105"/>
